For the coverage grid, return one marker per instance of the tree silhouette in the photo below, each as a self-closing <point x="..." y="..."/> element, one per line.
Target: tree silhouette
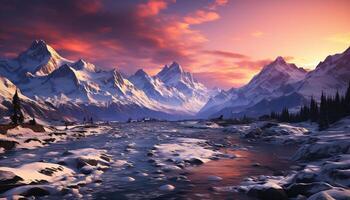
<point x="17" y="117"/>
<point x="324" y="105"/>
<point x="330" y="110"/>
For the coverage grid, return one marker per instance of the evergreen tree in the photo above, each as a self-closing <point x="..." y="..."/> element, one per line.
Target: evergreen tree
<point x="285" y="117"/>
<point x="17" y="116"/>
<point x="313" y="110"/>
<point x="338" y="111"/>
<point x="347" y="101"/>
<point x="32" y="121"/>
<point x="323" y="119"/>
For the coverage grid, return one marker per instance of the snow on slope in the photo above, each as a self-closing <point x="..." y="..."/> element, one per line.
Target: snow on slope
<point x="329" y="76"/>
<point x="39" y="59"/>
<point x="45" y="76"/>
<point x="173" y="87"/>
<point x="194" y="94"/>
<point x="266" y="85"/>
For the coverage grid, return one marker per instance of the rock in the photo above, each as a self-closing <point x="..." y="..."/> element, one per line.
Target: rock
<point x="170" y="168"/>
<point x="32" y="139"/>
<point x="8" y="144"/>
<point x="36" y="191"/>
<point x="150" y="154"/>
<point x="105" y="157"/>
<point x="268" y="193"/>
<point x="219" y="145"/>
<point x="83" y="162"/>
<point x="179" y="178"/>
<point x="167" y="188"/>
<point x="7" y="177"/>
<point x="268" y="125"/>
<point x="307" y="189"/>
<point x="127" y="179"/>
<point x="332" y="194"/>
<point x="214" y="178"/>
<point x="86" y="170"/>
<point x="253" y="134"/>
<point x="195" y="161"/>
<point x="8" y="180"/>
<point x="143" y="174"/>
<point x="256" y="165"/>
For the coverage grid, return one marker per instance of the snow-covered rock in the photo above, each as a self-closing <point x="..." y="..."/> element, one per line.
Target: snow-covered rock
<point x="167" y="188"/>
<point x="184" y="151"/>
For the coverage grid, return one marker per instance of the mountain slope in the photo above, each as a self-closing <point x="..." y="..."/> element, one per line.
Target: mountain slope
<point x="281" y="84"/>
<point x="329" y="76"/>
<point x="271" y="82"/>
<point x="173" y="87"/>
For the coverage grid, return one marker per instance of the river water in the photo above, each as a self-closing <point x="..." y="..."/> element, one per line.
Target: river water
<point x="253" y="159"/>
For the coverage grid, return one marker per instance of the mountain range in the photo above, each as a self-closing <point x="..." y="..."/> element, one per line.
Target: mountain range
<point x="281" y="84"/>
<point x="55" y="88"/>
<point x="79" y="88"/>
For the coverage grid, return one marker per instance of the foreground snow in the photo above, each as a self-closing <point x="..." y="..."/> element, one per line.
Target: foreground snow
<point x="323" y="169"/>
<point x="26" y="138"/>
<point x="182" y="152"/>
<point x="74" y="168"/>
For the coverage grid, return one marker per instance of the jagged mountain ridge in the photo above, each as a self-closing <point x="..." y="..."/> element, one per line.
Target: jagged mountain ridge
<point x="281" y="83"/>
<point x="265" y="85"/>
<point x="43" y="75"/>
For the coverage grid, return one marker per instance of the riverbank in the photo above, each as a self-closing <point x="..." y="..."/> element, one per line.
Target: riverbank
<point x="323" y="161"/>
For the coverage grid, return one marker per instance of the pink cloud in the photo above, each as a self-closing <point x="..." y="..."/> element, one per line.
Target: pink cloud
<point x="151" y="8"/>
<point x="201" y="16"/>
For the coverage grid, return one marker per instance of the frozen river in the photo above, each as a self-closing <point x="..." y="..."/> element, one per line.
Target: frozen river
<point x="163" y="160"/>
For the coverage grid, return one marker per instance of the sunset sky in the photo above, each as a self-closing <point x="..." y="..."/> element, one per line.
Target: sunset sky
<point x="223" y="42"/>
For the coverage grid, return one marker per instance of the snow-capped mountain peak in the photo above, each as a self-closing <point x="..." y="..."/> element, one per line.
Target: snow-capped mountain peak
<point x="141" y="73"/>
<point x="278" y="71"/>
<point x="175" y="67"/>
<point x="83" y="65"/>
<point x="40" y="59"/>
<point x="174" y="75"/>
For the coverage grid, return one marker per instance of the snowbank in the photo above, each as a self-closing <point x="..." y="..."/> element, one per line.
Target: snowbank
<point x="25" y="138"/>
<point x="183" y="152"/>
<point x="323" y="171"/>
<point x="74" y="168"/>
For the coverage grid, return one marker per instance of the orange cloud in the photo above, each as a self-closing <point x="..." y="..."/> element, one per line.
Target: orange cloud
<point x="201" y="16"/>
<point x="151" y="8"/>
<point x="217" y="3"/>
<point x="226" y="54"/>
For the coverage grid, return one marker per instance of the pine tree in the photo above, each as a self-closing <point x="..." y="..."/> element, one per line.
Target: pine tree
<point x="347" y="101"/>
<point x="338" y="111"/>
<point x="17" y="116"/>
<point x="285" y="117"/>
<point x="32" y="121"/>
<point x="323" y="119"/>
<point x="314" y="112"/>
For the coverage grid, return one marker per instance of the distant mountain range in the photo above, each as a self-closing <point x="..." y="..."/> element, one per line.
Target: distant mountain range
<point x="54" y="88"/>
<point x="280" y="84"/>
